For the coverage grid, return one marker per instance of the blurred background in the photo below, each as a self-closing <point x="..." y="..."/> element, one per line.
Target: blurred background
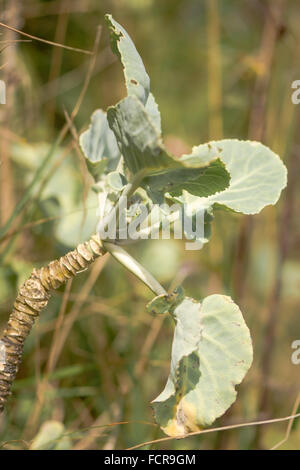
<point x="95" y="358"/>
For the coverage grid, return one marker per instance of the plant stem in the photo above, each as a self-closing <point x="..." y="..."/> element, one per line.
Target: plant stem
<point x="134" y="267"/>
<point x="32" y="298"/>
<point x="35" y="293"/>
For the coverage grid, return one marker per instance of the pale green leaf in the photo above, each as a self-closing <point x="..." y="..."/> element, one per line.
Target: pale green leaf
<point x="138" y="140"/>
<point x="142" y="149"/>
<point x="257" y="174"/>
<point x="136" y="77"/>
<point x="116" y="181"/>
<point x="99" y="146"/>
<point x="211" y="353"/>
<point x="153" y="112"/>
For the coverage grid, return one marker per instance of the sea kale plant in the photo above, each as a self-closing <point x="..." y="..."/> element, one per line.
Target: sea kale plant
<point x="125" y="154"/>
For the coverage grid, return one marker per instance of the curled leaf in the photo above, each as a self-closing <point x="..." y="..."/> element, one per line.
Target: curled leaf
<point x="99" y="146"/>
<point x="136" y="77"/>
<point x="142" y="149"/>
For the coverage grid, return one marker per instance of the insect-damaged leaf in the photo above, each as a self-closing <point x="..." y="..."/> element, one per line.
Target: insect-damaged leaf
<point x="211" y="353"/>
<point x="136" y="77"/>
<point x="142" y="149"/>
<point x="99" y="146"/>
<point x="153" y="112"/>
<point x="98" y="142"/>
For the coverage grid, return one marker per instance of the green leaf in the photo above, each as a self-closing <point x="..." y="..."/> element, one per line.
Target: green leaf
<point x="116" y="181"/>
<point x="99" y="146"/>
<point x="211" y="353"/>
<point x="136" y="77"/>
<point x="142" y="148"/>
<point x="199" y="182"/>
<point x="153" y="112"/>
<point x="257" y="174"/>
<point x="138" y="140"/>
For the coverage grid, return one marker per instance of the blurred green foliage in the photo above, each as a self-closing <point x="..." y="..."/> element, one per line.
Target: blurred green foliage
<point x="114" y="360"/>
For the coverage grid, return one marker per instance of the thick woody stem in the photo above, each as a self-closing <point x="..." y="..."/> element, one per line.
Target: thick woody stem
<point x="32" y="298"/>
